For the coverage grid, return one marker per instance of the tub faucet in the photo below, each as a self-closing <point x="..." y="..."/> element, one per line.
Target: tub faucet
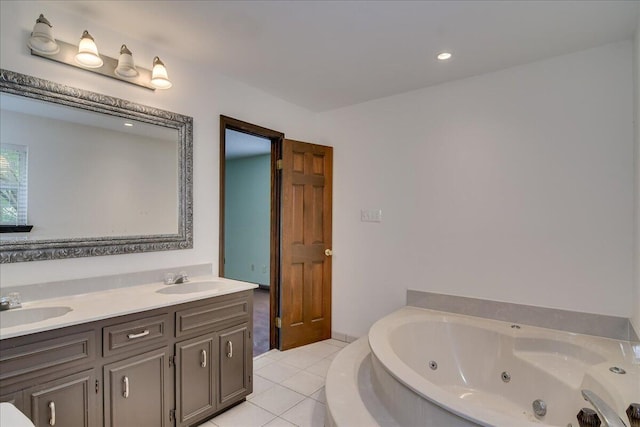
<point x="606" y="413"/>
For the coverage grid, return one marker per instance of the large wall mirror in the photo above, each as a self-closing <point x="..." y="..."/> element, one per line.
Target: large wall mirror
<point x="85" y="174"/>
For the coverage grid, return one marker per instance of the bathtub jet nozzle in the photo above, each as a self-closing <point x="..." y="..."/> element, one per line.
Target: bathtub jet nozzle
<point x="539" y="408"/>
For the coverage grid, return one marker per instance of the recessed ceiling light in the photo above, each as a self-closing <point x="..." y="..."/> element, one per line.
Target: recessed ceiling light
<point x="443" y="56"/>
<point x="127" y="124"/>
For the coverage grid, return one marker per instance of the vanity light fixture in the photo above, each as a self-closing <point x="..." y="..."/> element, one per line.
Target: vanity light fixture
<point x="41" y="39"/>
<point x="128" y="124"/>
<point x="159" y="76"/>
<point x="126" y="67"/>
<point x="85" y="56"/>
<point x="443" y="56"/>
<point x="88" y="55"/>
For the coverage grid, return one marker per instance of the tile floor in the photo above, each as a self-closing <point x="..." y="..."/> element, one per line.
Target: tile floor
<point x="288" y="389"/>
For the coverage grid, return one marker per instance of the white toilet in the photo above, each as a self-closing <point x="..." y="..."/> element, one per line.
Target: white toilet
<point x="11" y="416"/>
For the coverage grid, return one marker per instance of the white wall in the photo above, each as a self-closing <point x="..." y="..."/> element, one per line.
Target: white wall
<point x="197" y="92"/>
<point x="635" y="320"/>
<point x="512" y="186"/>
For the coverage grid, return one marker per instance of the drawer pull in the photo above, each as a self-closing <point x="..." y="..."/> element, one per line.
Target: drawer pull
<point x="52" y="413"/>
<point x="125" y="385"/>
<point x="140" y="335"/>
<point x="203" y="363"/>
<point x="229" y="349"/>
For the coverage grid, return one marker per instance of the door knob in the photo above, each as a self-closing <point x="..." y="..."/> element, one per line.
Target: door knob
<point x="328" y="252"/>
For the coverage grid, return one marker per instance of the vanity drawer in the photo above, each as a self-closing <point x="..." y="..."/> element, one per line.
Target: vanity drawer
<point x="214" y="316"/>
<point x="57" y="353"/>
<point x="135" y="334"/>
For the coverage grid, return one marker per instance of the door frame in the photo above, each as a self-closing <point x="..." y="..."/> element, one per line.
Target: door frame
<point x="276" y="139"/>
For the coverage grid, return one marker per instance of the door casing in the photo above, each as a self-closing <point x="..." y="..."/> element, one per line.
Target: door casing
<point x="276" y="139"/>
<point x="276" y="340"/>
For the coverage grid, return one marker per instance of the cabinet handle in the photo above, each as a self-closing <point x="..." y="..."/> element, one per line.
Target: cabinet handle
<point x="140" y="335"/>
<point x="203" y="363"/>
<point x="125" y="384"/>
<point x="52" y="413"/>
<point x="229" y="349"/>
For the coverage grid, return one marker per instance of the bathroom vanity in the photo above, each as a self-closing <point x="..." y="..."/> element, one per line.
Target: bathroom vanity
<point x="165" y="356"/>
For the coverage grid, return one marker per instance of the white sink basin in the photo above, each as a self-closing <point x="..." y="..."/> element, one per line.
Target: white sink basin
<point x="192" y="287"/>
<point x="21" y="316"/>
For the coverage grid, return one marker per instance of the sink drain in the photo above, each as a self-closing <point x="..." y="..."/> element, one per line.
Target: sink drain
<point x="506" y="376"/>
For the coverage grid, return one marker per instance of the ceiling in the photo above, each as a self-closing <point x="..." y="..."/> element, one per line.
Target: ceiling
<point x="324" y="55"/>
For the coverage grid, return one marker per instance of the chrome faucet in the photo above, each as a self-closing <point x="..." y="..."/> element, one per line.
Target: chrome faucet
<point x="10" y="301"/>
<point x="181" y="278"/>
<point x="171" y="279"/>
<point x="605" y="412"/>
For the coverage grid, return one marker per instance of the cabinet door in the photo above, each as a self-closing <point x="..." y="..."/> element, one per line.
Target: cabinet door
<point x="135" y="391"/>
<point x="235" y="348"/>
<point x="69" y="401"/>
<point x="195" y="378"/>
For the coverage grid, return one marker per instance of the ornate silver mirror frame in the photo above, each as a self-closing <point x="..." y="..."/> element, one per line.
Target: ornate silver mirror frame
<point x="37" y="250"/>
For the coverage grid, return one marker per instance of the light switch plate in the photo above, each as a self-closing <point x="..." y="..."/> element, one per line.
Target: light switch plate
<point x="371" y="215"/>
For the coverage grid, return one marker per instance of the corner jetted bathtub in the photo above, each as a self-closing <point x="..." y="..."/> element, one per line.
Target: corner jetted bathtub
<point x="430" y="368"/>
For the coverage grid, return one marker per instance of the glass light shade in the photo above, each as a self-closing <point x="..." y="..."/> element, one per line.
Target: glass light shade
<point x="41" y="40"/>
<point x="87" y="55"/>
<point x="159" y="76"/>
<point x="126" y="67"/>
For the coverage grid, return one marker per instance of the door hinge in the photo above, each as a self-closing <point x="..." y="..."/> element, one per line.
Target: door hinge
<point x="172" y="415"/>
<point x="172" y="361"/>
<point x="279" y="164"/>
<point x="97" y="386"/>
<point x="278" y="322"/>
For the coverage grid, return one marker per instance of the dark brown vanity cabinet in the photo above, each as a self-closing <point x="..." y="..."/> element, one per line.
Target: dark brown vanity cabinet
<point x="69" y="401"/>
<point x="135" y="391"/>
<point x="178" y="365"/>
<point x="235" y="361"/>
<point x="196" y="373"/>
<point x="213" y="369"/>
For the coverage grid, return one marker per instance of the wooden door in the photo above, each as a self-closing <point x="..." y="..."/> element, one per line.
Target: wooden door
<point x="305" y="295"/>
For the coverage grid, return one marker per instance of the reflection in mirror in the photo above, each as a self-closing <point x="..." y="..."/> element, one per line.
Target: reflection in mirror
<point x="88" y="174"/>
<point x="94" y="175"/>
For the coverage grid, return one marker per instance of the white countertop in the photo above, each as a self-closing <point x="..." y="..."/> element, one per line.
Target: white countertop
<point x="117" y="302"/>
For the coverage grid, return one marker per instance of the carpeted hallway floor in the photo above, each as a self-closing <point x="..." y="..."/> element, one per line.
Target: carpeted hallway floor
<point x="260" y="321"/>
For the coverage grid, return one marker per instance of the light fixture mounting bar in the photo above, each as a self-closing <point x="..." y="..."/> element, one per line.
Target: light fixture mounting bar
<point x="68" y="52"/>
